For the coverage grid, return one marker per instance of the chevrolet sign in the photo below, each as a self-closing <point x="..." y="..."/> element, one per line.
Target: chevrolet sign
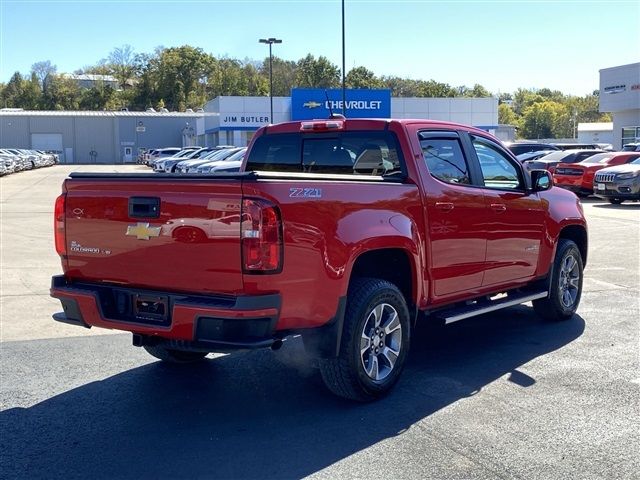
<point x="310" y="103"/>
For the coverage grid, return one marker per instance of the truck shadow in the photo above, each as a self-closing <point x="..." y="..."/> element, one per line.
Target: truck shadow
<point x="260" y="414"/>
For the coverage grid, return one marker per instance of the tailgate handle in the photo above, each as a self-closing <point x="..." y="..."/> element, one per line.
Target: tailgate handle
<point x="144" y="207"/>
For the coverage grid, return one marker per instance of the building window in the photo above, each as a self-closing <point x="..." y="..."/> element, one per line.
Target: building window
<point x="630" y="135"/>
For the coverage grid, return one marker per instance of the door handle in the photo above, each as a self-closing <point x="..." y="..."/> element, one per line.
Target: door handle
<point x="498" y="207"/>
<point x="144" y="207"/>
<point x="444" y="206"/>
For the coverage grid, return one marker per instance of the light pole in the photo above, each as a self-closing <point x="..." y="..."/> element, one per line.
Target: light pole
<point x="343" y="72"/>
<point x="270" y="41"/>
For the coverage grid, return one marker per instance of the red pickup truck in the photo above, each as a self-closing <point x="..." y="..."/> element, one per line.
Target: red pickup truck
<point x="344" y="231"/>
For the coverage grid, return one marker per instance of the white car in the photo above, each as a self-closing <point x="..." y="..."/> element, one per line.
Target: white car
<point x="229" y="162"/>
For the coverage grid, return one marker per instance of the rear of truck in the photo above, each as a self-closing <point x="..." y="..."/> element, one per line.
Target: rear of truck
<point x="232" y="261"/>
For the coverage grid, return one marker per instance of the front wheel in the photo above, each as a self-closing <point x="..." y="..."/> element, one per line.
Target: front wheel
<point x="174" y="356"/>
<point x="565" y="288"/>
<point x="615" y="201"/>
<point x="375" y="342"/>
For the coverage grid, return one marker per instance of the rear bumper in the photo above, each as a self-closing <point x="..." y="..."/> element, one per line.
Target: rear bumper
<point x="206" y="322"/>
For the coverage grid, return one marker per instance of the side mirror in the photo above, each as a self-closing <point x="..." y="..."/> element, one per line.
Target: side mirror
<point x="541" y="180"/>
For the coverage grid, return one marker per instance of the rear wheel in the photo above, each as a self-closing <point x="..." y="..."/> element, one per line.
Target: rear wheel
<point x="174" y="356"/>
<point x="615" y="201"/>
<point x="565" y="288"/>
<point x="375" y="342"/>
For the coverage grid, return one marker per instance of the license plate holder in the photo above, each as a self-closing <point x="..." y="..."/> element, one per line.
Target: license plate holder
<point x="153" y="308"/>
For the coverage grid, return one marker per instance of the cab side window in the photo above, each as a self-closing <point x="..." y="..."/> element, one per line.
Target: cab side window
<point x="444" y="159"/>
<point x="497" y="169"/>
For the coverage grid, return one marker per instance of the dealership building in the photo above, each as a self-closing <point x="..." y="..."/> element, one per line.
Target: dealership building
<point x="234" y="120"/>
<point x="620" y="96"/>
<point x="118" y="137"/>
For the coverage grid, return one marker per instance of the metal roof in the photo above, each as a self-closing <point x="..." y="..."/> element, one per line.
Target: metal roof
<point x="595" y="127"/>
<point x="79" y="113"/>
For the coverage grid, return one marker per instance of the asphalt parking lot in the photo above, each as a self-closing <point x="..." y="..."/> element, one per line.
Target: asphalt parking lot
<point x="505" y="395"/>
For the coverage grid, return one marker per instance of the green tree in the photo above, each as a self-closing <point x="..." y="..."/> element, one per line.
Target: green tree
<point x="31" y="95"/>
<point x="284" y="75"/>
<point x="96" y="98"/>
<point x="401" y="87"/>
<point x="434" y="89"/>
<point x="177" y="75"/>
<point x="362" y="77"/>
<point x="225" y="78"/>
<point x="61" y="94"/>
<point x="122" y="64"/>
<point x="13" y="91"/>
<point x="523" y="98"/>
<point x="42" y="70"/>
<point x="317" y="73"/>
<point x="544" y="119"/>
<point x="506" y="116"/>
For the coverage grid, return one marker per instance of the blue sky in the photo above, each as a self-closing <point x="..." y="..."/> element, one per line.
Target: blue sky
<point x="503" y="45"/>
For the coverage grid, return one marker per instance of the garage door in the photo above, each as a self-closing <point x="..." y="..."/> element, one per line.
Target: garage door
<point x="47" y="141"/>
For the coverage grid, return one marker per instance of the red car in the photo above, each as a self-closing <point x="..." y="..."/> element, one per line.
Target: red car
<point x="578" y="177"/>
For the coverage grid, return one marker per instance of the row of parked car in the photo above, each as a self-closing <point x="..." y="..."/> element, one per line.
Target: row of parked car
<point x="202" y="160"/>
<point x="586" y="170"/>
<point x="16" y="160"/>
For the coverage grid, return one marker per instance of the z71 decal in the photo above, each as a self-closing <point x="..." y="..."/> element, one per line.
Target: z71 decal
<point x="296" y="192"/>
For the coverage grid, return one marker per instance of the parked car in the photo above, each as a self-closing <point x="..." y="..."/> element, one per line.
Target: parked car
<point x="631" y="147"/>
<point x="190" y="166"/>
<point x="550" y="161"/>
<point x="578" y="177"/>
<point x="577" y="146"/>
<point x="8" y="163"/>
<point x="620" y="183"/>
<point x="158" y="163"/>
<point x="159" y="153"/>
<point x="228" y="155"/>
<point x="518" y="148"/>
<point x="181" y="167"/>
<point x="530" y="156"/>
<point x="232" y="160"/>
<point x="22" y="161"/>
<point x="171" y="164"/>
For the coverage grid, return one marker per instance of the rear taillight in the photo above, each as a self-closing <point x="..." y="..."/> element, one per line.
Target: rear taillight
<point x="261" y="237"/>
<point x="58" y="225"/>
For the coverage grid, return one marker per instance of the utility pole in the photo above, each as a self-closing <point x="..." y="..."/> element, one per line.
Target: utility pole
<point x="344" y="102"/>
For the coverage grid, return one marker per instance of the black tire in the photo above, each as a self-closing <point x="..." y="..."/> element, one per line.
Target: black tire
<point x="174" y="356"/>
<point x="615" y="201"/>
<point x="346" y="375"/>
<point x="565" y="286"/>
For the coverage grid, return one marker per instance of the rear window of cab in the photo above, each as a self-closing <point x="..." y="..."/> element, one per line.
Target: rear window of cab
<point x="350" y="153"/>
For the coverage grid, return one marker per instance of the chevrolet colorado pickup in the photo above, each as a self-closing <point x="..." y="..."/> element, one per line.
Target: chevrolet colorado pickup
<point x="344" y="231"/>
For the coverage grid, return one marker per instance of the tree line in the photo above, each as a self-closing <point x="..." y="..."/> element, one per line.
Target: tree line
<point x="185" y="77"/>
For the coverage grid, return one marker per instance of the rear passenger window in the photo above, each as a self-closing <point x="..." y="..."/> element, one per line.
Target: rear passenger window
<point x="351" y="153"/>
<point x="445" y="160"/>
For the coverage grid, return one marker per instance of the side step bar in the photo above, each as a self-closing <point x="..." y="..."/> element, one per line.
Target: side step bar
<point x="481" y="307"/>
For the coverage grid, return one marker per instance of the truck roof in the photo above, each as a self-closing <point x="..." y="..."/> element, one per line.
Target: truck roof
<point x="365" y="124"/>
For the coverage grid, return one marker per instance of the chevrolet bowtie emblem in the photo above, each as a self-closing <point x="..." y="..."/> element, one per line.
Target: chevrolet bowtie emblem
<point x="312" y="104"/>
<point x="143" y="231"/>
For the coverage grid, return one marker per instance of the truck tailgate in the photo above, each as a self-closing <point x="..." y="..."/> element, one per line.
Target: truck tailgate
<point x="155" y="232"/>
